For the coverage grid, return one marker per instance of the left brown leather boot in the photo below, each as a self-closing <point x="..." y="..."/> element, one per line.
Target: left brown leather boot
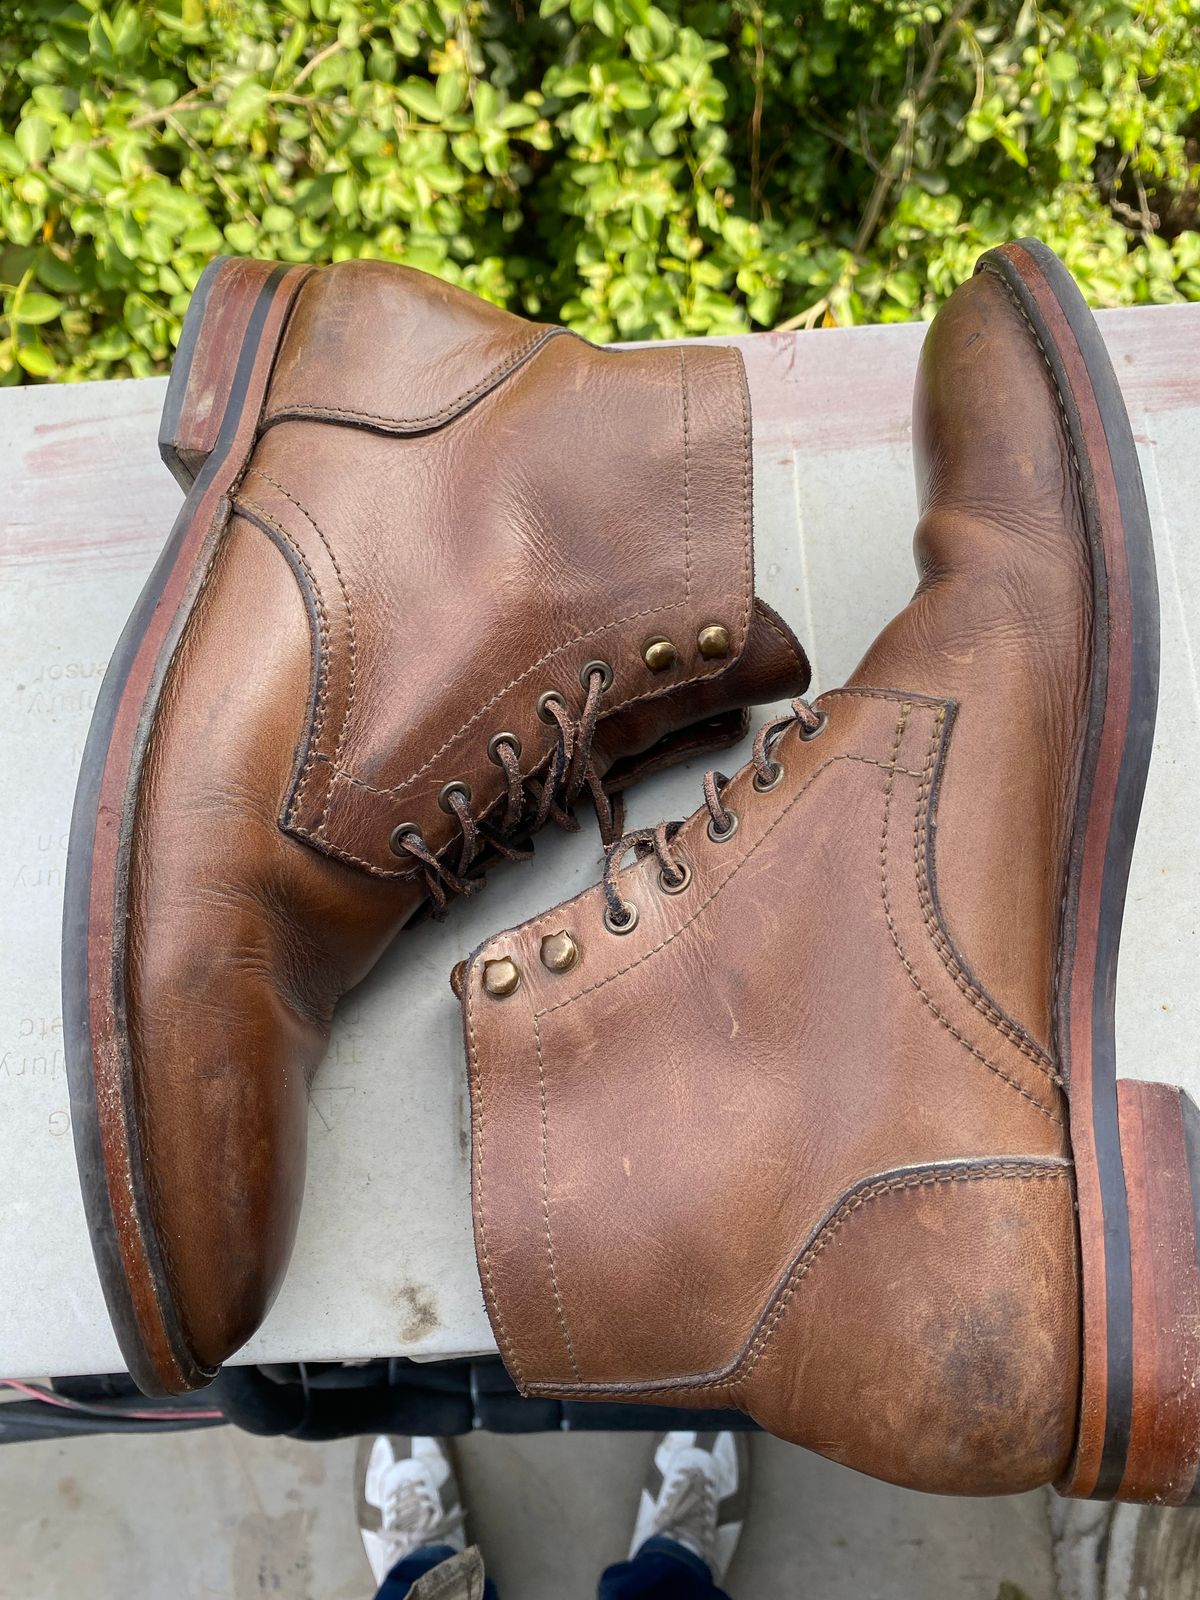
<point x="794" y="1113"/>
<point x="439" y="572"/>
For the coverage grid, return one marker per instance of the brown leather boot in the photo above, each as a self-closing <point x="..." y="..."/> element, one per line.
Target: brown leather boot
<point x="794" y="1112"/>
<point x="439" y="570"/>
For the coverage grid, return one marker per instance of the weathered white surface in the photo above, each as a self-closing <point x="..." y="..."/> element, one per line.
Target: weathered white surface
<point x="384" y="1262"/>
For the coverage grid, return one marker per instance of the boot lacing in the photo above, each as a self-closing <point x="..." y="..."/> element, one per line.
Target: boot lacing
<point x="571" y="769"/>
<point x="674" y="874"/>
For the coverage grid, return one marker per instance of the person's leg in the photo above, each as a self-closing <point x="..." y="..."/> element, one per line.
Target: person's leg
<point x="398" y="1581"/>
<point x="410" y="1515"/>
<point x="689" y="1521"/>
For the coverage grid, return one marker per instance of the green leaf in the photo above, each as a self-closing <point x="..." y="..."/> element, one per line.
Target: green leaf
<point x="450" y="93"/>
<point x="36" y="308"/>
<point x="36" y="358"/>
<point x="420" y="98"/>
<point x="1061" y="67"/>
<point x="515" y="115"/>
<point x="247" y="102"/>
<point x="63" y="277"/>
<point x="35" y="139"/>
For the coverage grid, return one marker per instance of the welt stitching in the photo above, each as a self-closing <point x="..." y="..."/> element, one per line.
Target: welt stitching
<point x="922" y="796"/>
<point x="477" y="1098"/>
<point x="687" y="486"/>
<point x="1062" y="409"/>
<point x="154" y="1187"/>
<point x="508" y="363"/>
<point x="323" y="670"/>
<point x="738" y="1370"/>
<point x="149" y="1170"/>
<point x="558" y="1302"/>
<point x="352" y="640"/>
<point x="737" y="866"/>
<point x="1056" y="996"/>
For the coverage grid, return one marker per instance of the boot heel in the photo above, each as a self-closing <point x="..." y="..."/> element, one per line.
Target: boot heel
<point x="220" y="324"/>
<point x="1154" y="1372"/>
<point x="1160" y="1150"/>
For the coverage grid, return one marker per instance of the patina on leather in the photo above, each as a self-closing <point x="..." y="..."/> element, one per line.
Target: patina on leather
<point x="448" y="513"/>
<point x="795" y="1140"/>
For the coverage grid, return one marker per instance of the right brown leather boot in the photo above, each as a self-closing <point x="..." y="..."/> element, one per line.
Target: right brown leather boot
<point x="439" y="571"/>
<point x="812" y="1110"/>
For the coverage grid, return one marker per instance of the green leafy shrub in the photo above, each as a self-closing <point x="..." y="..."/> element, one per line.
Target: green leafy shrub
<point x="633" y="169"/>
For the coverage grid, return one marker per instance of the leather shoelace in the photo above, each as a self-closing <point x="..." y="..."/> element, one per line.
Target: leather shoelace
<point x="674" y="874"/>
<point x="571" y="769"/>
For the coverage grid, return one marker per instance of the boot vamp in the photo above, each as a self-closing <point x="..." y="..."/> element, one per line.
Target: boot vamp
<point x="1001" y="625"/>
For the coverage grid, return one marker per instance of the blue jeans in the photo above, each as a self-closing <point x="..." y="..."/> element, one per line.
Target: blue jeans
<point x="661" y="1570"/>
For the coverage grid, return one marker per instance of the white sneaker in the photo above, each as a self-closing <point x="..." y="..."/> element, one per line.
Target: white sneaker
<point x="407" y="1499"/>
<point x="695" y="1493"/>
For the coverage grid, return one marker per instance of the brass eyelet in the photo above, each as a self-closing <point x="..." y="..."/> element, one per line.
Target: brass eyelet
<point x="402" y="830"/>
<point x="722" y="836"/>
<point x="816" y="732"/>
<point x="678" y="885"/>
<point x="602" y="667"/>
<point x="544" y="700"/>
<point x="765" y="785"/>
<point x="455" y="786"/>
<point x="497" y="739"/>
<point x="630" y="922"/>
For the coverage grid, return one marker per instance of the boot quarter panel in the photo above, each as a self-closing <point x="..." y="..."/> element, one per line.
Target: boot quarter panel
<point x="481" y="536"/>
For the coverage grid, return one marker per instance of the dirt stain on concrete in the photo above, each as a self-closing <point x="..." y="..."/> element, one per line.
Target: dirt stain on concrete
<point x="271" y="1556"/>
<point x="418" y="1312"/>
<point x="70" y="1493"/>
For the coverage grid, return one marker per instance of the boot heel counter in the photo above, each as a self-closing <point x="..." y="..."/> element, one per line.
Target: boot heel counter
<point x="934" y="1342"/>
